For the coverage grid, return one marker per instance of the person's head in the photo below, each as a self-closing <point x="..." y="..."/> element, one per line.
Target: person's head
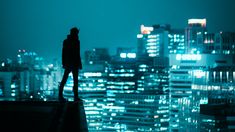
<point x="74" y="32"/>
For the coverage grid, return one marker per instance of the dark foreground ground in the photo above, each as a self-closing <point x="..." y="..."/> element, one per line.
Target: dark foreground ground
<point x="36" y="116"/>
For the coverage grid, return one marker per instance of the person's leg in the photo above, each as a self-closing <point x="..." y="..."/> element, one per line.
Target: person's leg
<point x="63" y="82"/>
<point x="75" y="84"/>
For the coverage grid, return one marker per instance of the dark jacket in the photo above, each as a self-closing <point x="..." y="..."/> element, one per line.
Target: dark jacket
<point x="71" y="53"/>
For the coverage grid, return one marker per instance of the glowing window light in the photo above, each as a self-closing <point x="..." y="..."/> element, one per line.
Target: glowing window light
<point x="113" y="114"/>
<point x="13" y="86"/>
<point x="199" y="73"/>
<point x="152" y="55"/>
<point x="90" y="74"/>
<point x="197" y="21"/>
<point x="149" y="100"/>
<point x="152" y="47"/>
<point x="114" y="107"/>
<point x="131" y="55"/>
<point x="164" y="120"/>
<point x="188" y="57"/>
<point x="143" y="66"/>
<point x="123" y="55"/>
<point x="152" y="36"/>
<point x="163" y="128"/>
<point x="92" y="112"/>
<point x="151" y="40"/>
<point x="139" y="35"/>
<point x="152" y="51"/>
<point x="151" y="44"/>
<point x="100" y="80"/>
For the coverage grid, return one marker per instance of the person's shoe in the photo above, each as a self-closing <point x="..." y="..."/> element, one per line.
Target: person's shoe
<point x="62" y="99"/>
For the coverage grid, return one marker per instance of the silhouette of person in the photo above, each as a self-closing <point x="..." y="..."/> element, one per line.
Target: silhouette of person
<point x="71" y="61"/>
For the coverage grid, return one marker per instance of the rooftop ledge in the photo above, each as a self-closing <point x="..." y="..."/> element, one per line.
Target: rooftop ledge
<point x="40" y="116"/>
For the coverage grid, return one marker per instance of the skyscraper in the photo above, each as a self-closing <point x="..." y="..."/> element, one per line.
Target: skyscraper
<point x="194" y="33"/>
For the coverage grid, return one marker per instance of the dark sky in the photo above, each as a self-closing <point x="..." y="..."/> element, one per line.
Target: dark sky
<point x="42" y="25"/>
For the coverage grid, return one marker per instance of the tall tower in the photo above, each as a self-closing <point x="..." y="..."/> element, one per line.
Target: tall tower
<point x="194" y="34"/>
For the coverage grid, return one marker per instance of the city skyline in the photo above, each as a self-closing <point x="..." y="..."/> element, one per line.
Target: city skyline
<point x="156" y="65"/>
<point x="103" y="24"/>
<point x="169" y="83"/>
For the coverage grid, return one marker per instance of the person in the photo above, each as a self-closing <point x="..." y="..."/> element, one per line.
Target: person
<point x="71" y="61"/>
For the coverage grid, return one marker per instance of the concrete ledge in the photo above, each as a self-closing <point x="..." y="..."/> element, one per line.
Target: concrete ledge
<point x="36" y="116"/>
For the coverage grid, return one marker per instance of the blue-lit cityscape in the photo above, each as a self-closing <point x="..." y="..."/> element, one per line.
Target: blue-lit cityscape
<point x="173" y="80"/>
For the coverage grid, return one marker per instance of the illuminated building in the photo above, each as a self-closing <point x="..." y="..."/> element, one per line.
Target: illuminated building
<point x="121" y="80"/>
<point x="160" y="40"/>
<point x="194" y="34"/>
<point x="215" y="85"/>
<point x="22" y="84"/>
<point x="224" y="43"/>
<point x="197" y="39"/>
<point x="29" y="59"/>
<point x="152" y="79"/>
<point x="153" y="82"/>
<point x="176" y="41"/>
<point x="138" y="112"/>
<point x="153" y="41"/>
<point x="186" y="71"/>
<point x="135" y="97"/>
<point x="37" y="81"/>
<point x="11" y="84"/>
<point x="216" y="43"/>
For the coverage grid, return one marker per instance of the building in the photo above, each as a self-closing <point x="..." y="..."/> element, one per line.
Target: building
<point x="217" y="117"/>
<point x="97" y="56"/>
<point x="121" y="80"/>
<point x="153" y="41"/>
<point x="194" y="34"/>
<point x="176" y="41"/>
<point x="186" y="71"/>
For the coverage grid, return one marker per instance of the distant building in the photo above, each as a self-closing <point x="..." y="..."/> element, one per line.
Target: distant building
<point x="217" y="117"/>
<point x="121" y="80"/>
<point x="97" y="56"/>
<point x="176" y="41"/>
<point x="29" y="59"/>
<point x="224" y="43"/>
<point x="153" y="41"/>
<point x="14" y="83"/>
<point x="194" y="34"/>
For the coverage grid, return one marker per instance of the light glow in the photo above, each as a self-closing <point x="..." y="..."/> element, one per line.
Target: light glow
<point x="146" y="30"/>
<point x="189" y="57"/>
<point x="123" y="55"/>
<point x="139" y="35"/>
<point x="197" y="21"/>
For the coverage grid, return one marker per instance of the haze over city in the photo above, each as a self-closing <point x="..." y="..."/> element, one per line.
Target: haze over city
<point x="42" y="25"/>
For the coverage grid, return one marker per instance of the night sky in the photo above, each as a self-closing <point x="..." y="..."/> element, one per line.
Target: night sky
<point x="42" y="25"/>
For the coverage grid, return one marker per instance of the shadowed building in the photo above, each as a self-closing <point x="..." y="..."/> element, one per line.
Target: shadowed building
<point x="217" y="117"/>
